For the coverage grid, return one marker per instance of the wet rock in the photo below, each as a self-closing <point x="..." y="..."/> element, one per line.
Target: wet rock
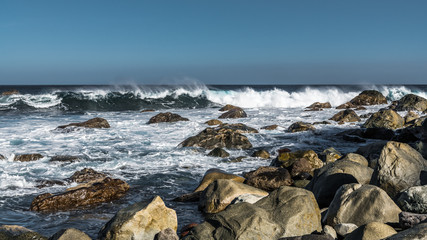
<point x="328" y="179"/>
<point x="329" y="155"/>
<point x="141" y="220"/>
<point x="286" y="212"/>
<point x="166" y="117"/>
<point x="227" y="107"/>
<point x="385" y="118"/>
<point x="92" y="123"/>
<point x="86" y="175"/>
<point x="417" y="232"/>
<point x="28" y="157"/>
<point x="65" y="158"/>
<point x="320" y="105"/>
<point x="2" y="157"/>
<point x="287" y="159"/>
<point x="301" y="169"/>
<point x="220" y="193"/>
<point x="360" y="108"/>
<point x="367" y="115"/>
<point x="218" y="137"/>
<point x="398" y="168"/>
<point x="218" y="152"/>
<point x="347" y="115"/>
<point x="371" y="231"/>
<point x="49" y="183"/>
<point x="321" y="123"/>
<point x="409" y="219"/>
<point x="411" y="102"/>
<point x="270" y="127"/>
<point x="413" y="199"/>
<point x="238" y="127"/>
<point x="213" y="122"/>
<point x="14" y="230"/>
<point x="11" y="92"/>
<point x="70" y="234"/>
<point x="268" y="178"/>
<point x="166" y="234"/>
<point x="234" y="113"/>
<point x="369" y="97"/>
<point x="356" y="158"/>
<point x="361" y="204"/>
<point x="346" y="105"/>
<point x="147" y="110"/>
<point x="301" y="127"/>
<point x="261" y="154"/>
<point x="343" y="229"/>
<point x="92" y="193"/>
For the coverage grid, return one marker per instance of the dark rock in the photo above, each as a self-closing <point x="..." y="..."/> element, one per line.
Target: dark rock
<point x="268" y="178"/>
<point x="367" y="115"/>
<point x="166" y="234"/>
<point x="69" y="234"/>
<point x="329" y="155"/>
<point x="346" y="105"/>
<point x="261" y="154"/>
<point x="234" y="113"/>
<point x="347" y="115"/>
<point x="417" y="232"/>
<point x="409" y="219"/>
<point x="65" y="158"/>
<point x="310" y="237"/>
<point x="270" y="127"/>
<point x="86" y="175"/>
<point x="15" y="232"/>
<point x="379" y="133"/>
<point x="371" y="152"/>
<point x="423" y="177"/>
<point x="353" y="138"/>
<point x="227" y="107"/>
<point x="369" y="97"/>
<point x="321" y="123"/>
<point x="186" y="229"/>
<point x="238" y="127"/>
<point x="28" y="157"/>
<point x="166" y="117"/>
<point x="218" y="152"/>
<point x="287" y="159"/>
<point x="385" y="118"/>
<point x="2" y="157"/>
<point x="320" y="105"/>
<point x="213" y="122"/>
<point x="48" y="183"/>
<point x="412" y="102"/>
<point x="147" y="110"/>
<point x="408" y="134"/>
<point x="92" y="123"/>
<point x="300" y="168"/>
<point x="86" y="194"/>
<point x="300" y="127"/>
<point x="359" y="108"/>
<point x="413" y="199"/>
<point x="189" y="197"/>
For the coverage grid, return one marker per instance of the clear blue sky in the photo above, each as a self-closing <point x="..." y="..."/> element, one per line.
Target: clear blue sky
<point x="216" y="42"/>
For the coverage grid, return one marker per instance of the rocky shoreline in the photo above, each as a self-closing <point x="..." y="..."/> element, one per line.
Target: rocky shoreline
<point x="376" y="192"/>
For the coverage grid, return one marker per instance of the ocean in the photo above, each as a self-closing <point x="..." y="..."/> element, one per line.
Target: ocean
<point x="147" y="156"/>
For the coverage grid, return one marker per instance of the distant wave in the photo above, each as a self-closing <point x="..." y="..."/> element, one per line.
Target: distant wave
<point x="187" y="97"/>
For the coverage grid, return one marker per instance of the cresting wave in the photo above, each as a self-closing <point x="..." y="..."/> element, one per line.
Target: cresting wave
<point x="189" y="97"/>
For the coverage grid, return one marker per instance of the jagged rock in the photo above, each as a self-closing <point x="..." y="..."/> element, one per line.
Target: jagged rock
<point x="166" y="234"/>
<point x="270" y="127"/>
<point x="220" y="193"/>
<point x="385" y="118"/>
<point x="234" y="113"/>
<point x="268" y="178"/>
<point x="410" y="116"/>
<point x="213" y="122"/>
<point x="347" y="115"/>
<point x="343" y="229"/>
<point x="369" y="97"/>
<point x="65" y="158"/>
<point x="346" y="105"/>
<point x="92" y="123"/>
<point x="141" y="220"/>
<point x="95" y="192"/>
<point x="319" y="105"/>
<point x="286" y="212"/>
<point x="328" y="179"/>
<point x="218" y="137"/>
<point x="301" y="127"/>
<point x="408" y="219"/>
<point x="329" y="155"/>
<point x="413" y="199"/>
<point x="356" y="158"/>
<point x="86" y="175"/>
<point x="166" y="117"/>
<point x="28" y="157"/>
<point x="398" y="168"/>
<point x="411" y="102"/>
<point x="417" y="232"/>
<point x="227" y="107"/>
<point x="218" y="152"/>
<point x="261" y="154"/>
<point x="286" y="159"/>
<point x="70" y="234"/>
<point x="371" y="231"/>
<point x="361" y="204"/>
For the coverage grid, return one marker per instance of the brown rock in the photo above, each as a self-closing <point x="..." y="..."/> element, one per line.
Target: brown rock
<point x="218" y="152"/>
<point x="234" y="113"/>
<point x="64" y="158"/>
<point x="97" y="192"/>
<point x="147" y="110"/>
<point x="409" y="219"/>
<point x="237" y="127"/>
<point x="412" y="102"/>
<point x="219" y="137"/>
<point x="166" y="117"/>
<point x="411" y="116"/>
<point x="270" y="127"/>
<point x="347" y="115"/>
<point x="213" y="122"/>
<point x="268" y="178"/>
<point x="227" y="107"/>
<point x="371" y="231"/>
<point x="318" y="105"/>
<point x="92" y="123"/>
<point x="28" y="157"/>
<point x="186" y="229"/>
<point x="346" y="105"/>
<point x="166" y="234"/>
<point x="70" y="234"/>
<point x="86" y="175"/>
<point x="215" y="174"/>
<point x="300" y="127"/>
<point x="286" y="159"/>
<point x="369" y="97"/>
<point x="261" y="154"/>
<point x="385" y="118"/>
<point x="299" y="167"/>
<point x="11" y="92"/>
<point x="356" y="158"/>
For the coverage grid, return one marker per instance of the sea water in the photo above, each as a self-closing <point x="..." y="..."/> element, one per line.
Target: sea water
<point x="144" y="155"/>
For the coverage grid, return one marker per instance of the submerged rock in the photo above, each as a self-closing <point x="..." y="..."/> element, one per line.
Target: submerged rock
<point x="28" y="157"/>
<point x="270" y="127"/>
<point x="166" y="117"/>
<point x="218" y="152"/>
<point x="261" y="154"/>
<point x="65" y="158"/>
<point x="92" y="123"/>
<point x="213" y="122"/>
<point x="301" y="127"/>
<point x="11" y="92"/>
<point x="234" y="113"/>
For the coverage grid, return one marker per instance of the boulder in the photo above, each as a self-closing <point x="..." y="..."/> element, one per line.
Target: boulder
<point x="378" y="133"/>
<point x="166" y="234"/>
<point x="328" y="179"/>
<point x="70" y="234"/>
<point x="417" y="232"/>
<point x="86" y="175"/>
<point x="369" y="97"/>
<point x="328" y="230"/>
<point x="247" y="198"/>
<point x="286" y="159"/>
<point x="346" y="106"/>
<point x="286" y="212"/>
<point x="329" y="155"/>
<point x="234" y="113"/>
<point x="261" y="154"/>
<point x="268" y="178"/>
<point x="356" y="158"/>
<point x="301" y="127"/>
<point x="319" y="105"/>
<point x="220" y="193"/>
<point x="238" y="128"/>
<point x="28" y="157"/>
<point x="309" y="237"/>
<point x="343" y="229"/>
<point x="166" y="117"/>
<point x="227" y="107"/>
<point x="218" y="137"/>
<point x="408" y="219"/>
<point x="398" y="168"/>
<point x="361" y="204"/>
<point x="14" y="232"/>
<point x="347" y="115"/>
<point x="142" y="220"/>
<point x="218" y="152"/>
<point x="86" y="194"/>
<point x="301" y="169"/>
<point x="371" y="152"/>
<point x="410" y="117"/>
<point x="411" y="102"/>
<point x="413" y="199"/>
<point x="213" y="122"/>
<point x="371" y="231"/>
<point x="385" y="118"/>
<point x="92" y="123"/>
<point x="270" y="127"/>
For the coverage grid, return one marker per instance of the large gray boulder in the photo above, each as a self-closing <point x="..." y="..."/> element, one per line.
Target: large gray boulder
<point x="286" y="212"/>
<point x="371" y="231"/>
<point x="385" y="118"/>
<point x="329" y="178"/>
<point x="361" y="204"/>
<point x="413" y="199"/>
<point x="412" y="102"/>
<point x="398" y="168"/>
<point x="141" y="220"/>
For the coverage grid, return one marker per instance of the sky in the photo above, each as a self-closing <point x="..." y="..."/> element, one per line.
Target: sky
<point x="213" y="42"/>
